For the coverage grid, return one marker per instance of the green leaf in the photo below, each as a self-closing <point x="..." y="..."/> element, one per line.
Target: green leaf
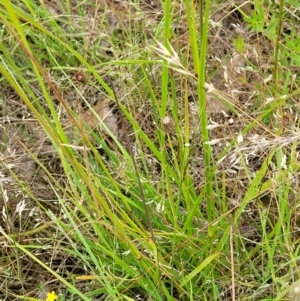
<point x="198" y="269"/>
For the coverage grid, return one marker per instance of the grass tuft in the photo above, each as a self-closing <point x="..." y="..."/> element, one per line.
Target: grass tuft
<point x="149" y="151"/>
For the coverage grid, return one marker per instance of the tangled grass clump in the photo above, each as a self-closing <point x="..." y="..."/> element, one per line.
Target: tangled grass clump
<point x="148" y="154"/>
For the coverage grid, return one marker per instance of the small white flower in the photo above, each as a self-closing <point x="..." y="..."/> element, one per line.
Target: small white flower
<point x="5" y="197"/>
<point x="4" y="215"/>
<point x="266" y="80"/>
<point x="2" y="231"/>
<point x="231" y="121"/>
<point x="240" y="138"/>
<point x="212" y="126"/>
<point x="21" y="207"/>
<point x="166" y="120"/>
<point x="213" y="142"/>
<point x="32" y="211"/>
<point x="126" y="253"/>
<point x="269" y="99"/>
<point x="160" y="207"/>
<point x="294" y="292"/>
<point x="283" y="162"/>
<point x="209" y="87"/>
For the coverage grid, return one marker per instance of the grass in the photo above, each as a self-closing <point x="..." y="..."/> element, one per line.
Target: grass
<point x="186" y="203"/>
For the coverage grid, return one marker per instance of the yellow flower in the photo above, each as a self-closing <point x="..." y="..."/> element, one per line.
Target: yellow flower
<point x="51" y="296"/>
